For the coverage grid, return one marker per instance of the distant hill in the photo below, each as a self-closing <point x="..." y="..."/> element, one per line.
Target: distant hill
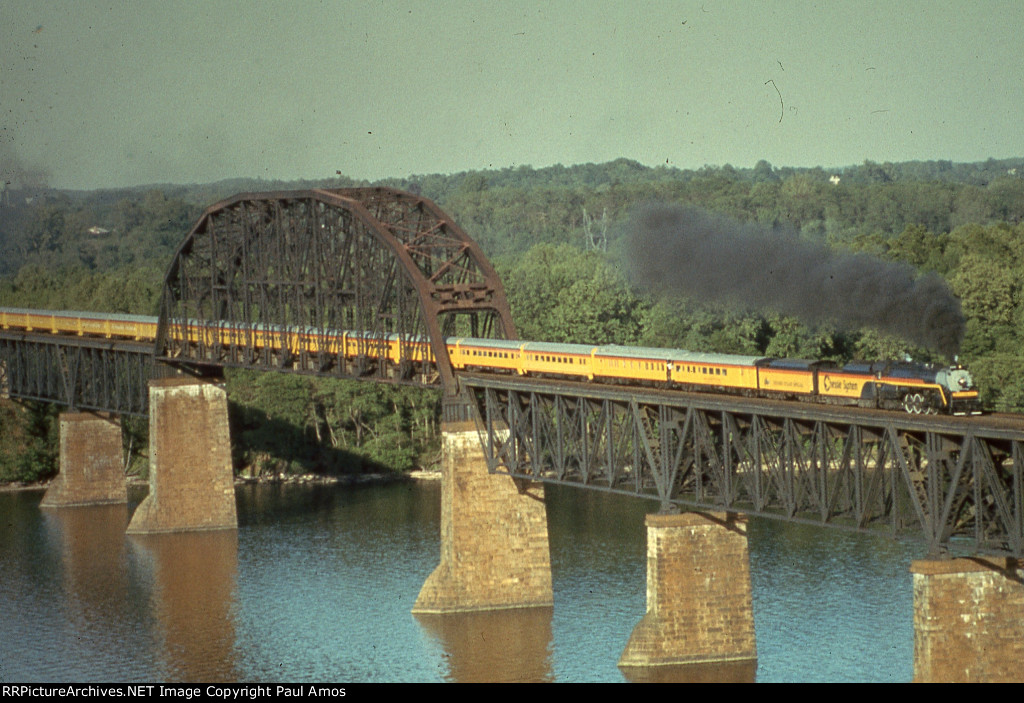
<point x="509" y="210"/>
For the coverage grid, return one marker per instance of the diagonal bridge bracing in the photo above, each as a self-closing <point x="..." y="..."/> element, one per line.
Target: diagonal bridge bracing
<point x="956" y="482"/>
<point x="80" y="373"/>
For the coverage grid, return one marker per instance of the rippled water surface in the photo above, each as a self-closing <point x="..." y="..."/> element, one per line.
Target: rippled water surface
<point x="317" y="584"/>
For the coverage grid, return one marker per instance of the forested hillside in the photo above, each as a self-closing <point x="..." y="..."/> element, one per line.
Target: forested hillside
<point x="559" y="238"/>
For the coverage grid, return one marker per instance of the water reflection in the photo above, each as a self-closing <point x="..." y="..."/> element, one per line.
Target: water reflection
<point x="499" y="647"/>
<point x="193" y="588"/>
<point x="92" y="578"/>
<point x="69" y="595"/>
<point x="840" y="601"/>
<point x="317" y="584"/>
<point x="719" y="672"/>
<point x="90" y="540"/>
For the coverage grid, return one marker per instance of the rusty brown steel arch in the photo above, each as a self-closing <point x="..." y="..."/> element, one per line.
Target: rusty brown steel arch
<point x="271" y="280"/>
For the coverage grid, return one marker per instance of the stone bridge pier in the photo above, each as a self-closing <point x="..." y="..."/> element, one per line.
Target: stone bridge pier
<point x="494" y="535"/>
<point x="91" y="462"/>
<point x="968" y="620"/>
<point x="495" y="555"/>
<point x="191" y="481"/>
<point x="699" y="624"/>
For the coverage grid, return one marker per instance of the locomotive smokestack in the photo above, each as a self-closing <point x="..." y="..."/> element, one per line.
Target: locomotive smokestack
<point x="709" y="257"/>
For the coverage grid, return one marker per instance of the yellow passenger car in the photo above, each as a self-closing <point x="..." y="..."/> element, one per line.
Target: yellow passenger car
<point x="548" y="358"/>
<point x="489" y="354"/>
<point x="712" y="371"/>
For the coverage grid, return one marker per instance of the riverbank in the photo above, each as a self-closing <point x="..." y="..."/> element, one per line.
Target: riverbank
<point x="18" y="486"/>
<point x="303" y="479"/>
<point x="342" y="479"/>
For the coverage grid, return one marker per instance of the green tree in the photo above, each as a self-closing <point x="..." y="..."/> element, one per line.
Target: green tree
<point x="919" y="247"/>
<point x="987" y="290"/>
<point x="999" y="379"/>
<point x="558" y="293"/>
<point x="789" y="338"/>
<point x="763" y="172"/>
<point x="872" y="345"/>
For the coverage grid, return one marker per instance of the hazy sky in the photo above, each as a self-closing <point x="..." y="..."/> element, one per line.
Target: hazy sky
<point x="112" y="93"/>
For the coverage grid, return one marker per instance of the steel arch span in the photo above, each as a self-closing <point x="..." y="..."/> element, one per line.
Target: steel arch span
<point x="363" y="282"/>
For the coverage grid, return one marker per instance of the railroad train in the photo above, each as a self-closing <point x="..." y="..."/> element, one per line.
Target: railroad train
<point x="915" y="388"/>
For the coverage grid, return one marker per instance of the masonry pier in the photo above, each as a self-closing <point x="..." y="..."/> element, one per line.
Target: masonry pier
<point x="968" y="620"/>
<point x="91" y="462"/>
<point x="494" y="535"/>
<point x="700" y="614"/>
<point x="191" y="484"/>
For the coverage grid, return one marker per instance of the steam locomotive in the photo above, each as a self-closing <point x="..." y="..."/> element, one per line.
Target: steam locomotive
<point x="912" y="387"/>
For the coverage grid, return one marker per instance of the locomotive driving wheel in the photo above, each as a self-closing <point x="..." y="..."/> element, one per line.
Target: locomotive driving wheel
<point x="915" y="403"/>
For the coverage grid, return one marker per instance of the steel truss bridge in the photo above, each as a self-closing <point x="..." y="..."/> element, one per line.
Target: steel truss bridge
<point x="956" y="482"/>
<point x="392" y="263"/>
<point x="83" y="373"/>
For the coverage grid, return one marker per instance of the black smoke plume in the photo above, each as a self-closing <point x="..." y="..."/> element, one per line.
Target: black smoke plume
<point x="14" y="174"/>
<point x="710" y="258"/>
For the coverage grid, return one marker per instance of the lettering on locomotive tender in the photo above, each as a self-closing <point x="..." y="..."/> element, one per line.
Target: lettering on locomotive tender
<point x="840" y="384"/>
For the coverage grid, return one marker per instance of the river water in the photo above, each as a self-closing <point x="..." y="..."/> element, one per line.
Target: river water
<point x="317" y="585"/>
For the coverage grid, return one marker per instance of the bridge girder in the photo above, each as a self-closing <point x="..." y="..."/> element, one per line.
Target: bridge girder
<point x="958" y="485"/>
<point x="80" y="373"/>
<point x="306" y="265"/>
